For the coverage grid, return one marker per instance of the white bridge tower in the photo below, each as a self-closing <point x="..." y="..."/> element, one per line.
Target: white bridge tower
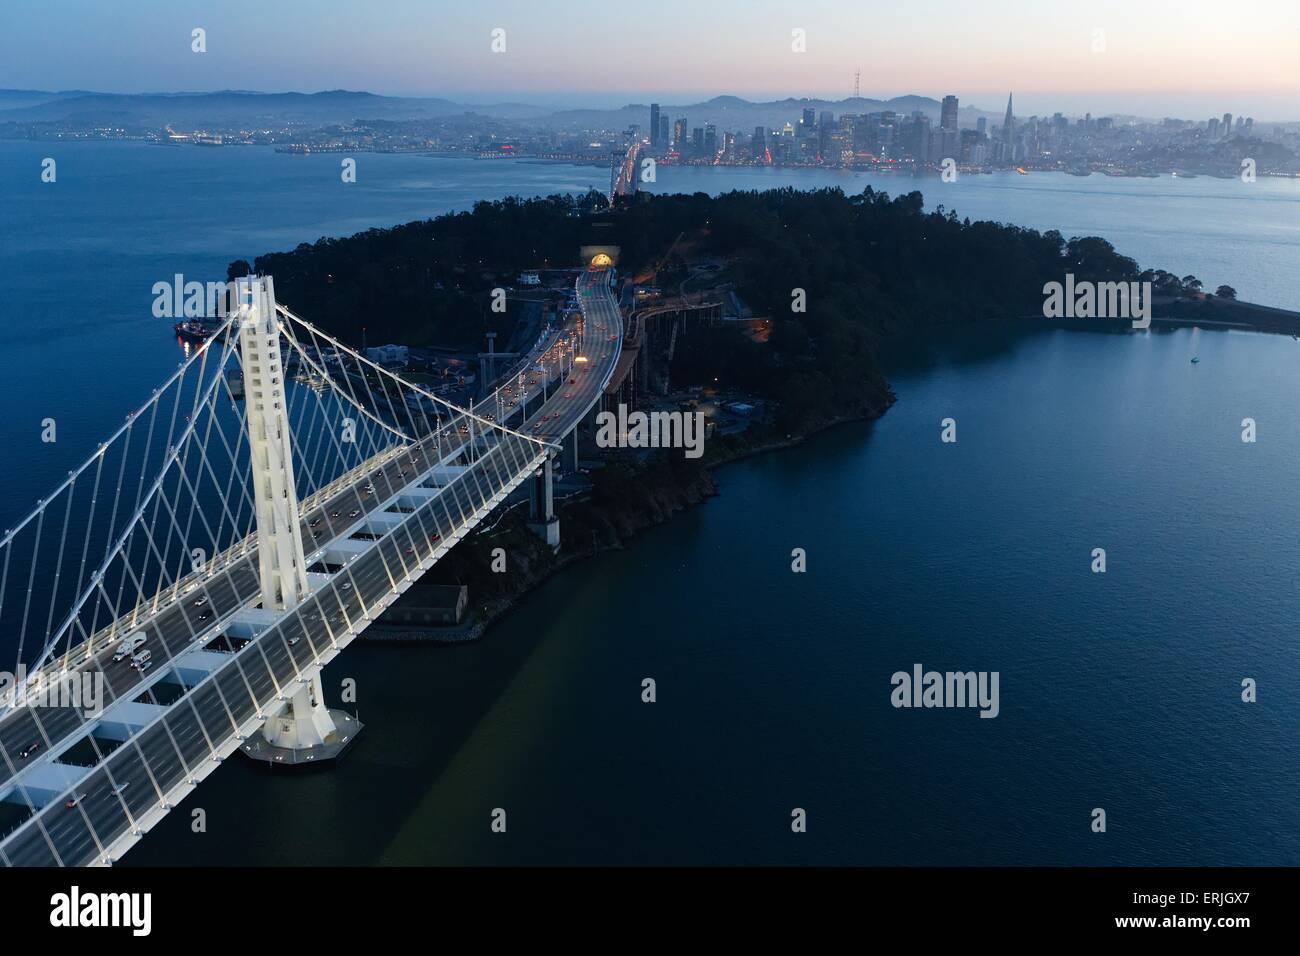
<point x="305" y="721"/>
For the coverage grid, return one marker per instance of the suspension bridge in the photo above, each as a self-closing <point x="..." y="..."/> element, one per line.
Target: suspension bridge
<point x="175" y="599"/>
<point x="623" y="172"/>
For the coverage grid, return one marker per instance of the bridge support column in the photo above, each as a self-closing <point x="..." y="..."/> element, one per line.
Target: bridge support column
<point x="569" y="455"/>
<point x="306" y="730"/>
<point x="542" y="520"/>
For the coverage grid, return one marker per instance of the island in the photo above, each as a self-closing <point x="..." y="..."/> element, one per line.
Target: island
<point x="796" y="297"/>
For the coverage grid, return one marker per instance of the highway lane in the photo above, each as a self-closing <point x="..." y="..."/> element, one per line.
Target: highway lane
<point x="602" y="337"/>
<point x="519" y="389"/>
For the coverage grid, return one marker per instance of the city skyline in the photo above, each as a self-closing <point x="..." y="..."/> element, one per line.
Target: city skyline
<point x="1150" y="59"/>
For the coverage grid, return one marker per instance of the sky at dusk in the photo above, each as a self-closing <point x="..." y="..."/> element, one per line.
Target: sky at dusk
<point x="1191" y="58"/>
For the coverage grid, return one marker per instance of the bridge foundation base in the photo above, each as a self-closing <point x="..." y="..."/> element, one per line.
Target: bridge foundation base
<point x="542" y="519"/>
<point x="548" y="531"/>
<point x="306" y="731"/>
<point x="346" y="729"/>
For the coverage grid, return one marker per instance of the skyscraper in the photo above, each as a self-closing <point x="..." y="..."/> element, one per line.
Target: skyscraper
<point x="917" y="143"/>
<point x="948" y="113"/>
<point x="1008" y="124"/>
<point x="654" y="124"/>
<point x="825" y="126"/>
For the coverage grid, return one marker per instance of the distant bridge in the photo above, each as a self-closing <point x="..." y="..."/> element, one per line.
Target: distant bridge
<point x="623" y="172"/>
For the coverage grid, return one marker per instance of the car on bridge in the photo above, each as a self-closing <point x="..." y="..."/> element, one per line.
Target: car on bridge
<point x="30" y="749"/>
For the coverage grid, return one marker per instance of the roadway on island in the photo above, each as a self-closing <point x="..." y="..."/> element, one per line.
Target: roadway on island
<point x="602" y="341"/>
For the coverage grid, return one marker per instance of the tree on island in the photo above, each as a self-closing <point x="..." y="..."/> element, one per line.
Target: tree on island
<point x="1225" y="292"/>
<point x="1191" y="284"/>
<point x="1163" y="282"/>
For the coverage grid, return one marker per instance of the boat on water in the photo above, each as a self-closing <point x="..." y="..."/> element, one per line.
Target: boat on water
<point x="1195" y="359"/>
<point x="192" y="330"/>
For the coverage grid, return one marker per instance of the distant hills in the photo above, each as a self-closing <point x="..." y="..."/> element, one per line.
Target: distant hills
<point x="236" y="106"/>
<point x="190" y="110"/>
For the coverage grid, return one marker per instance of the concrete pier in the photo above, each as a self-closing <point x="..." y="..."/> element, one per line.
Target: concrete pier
<point x="542" y="520"/>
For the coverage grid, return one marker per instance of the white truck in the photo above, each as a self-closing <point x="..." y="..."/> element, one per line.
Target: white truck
<point x="128" y="647"/>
